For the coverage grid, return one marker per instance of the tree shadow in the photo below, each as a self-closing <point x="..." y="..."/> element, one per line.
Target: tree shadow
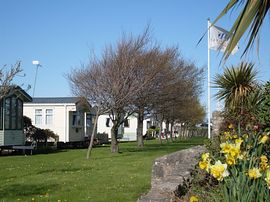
<point x="164" y="146"/>
<point x="65" y="170"/>
<point x="24" y="190"/>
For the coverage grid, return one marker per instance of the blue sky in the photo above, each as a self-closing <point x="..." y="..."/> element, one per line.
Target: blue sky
<point x="62" y="33"/>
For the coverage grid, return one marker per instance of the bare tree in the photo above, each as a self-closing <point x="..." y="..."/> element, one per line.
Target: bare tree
<point x="7" y="76"/>
<point x="181" y="87"/>
<point x="153" y="71"/>
<point x="112" y="82"/>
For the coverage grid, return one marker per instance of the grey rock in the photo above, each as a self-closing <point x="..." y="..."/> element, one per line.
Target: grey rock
<point x="168" y="172"/>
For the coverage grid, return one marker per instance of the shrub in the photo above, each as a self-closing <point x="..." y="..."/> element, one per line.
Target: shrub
<point x="241" y="166"/>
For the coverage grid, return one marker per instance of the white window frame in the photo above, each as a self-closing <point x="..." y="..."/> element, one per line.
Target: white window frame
<point x="49" y="116"/>
<point x="39" y="114"/>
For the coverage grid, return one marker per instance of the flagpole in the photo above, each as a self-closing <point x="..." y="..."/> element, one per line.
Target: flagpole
<point x="208" y="80"/>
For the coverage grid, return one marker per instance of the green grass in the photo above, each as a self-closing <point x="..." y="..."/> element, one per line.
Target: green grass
<point x="68" y="176"/>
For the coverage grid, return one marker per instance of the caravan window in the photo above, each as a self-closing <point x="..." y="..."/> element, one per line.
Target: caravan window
<point x="76" y="119"/>
<point x="126" y="123"/>
<point x="13" y="113"/>
<point x="49" y="117"/>
<point x="38" y="116"/>
<point x="7" y="113"/>
<point x="108" y="122"/>
<point x="90" y="119"/>
<point x="1" y="115"/>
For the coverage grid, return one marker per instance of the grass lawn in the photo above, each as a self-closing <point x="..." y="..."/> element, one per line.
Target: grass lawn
<point x="68" y="176"/>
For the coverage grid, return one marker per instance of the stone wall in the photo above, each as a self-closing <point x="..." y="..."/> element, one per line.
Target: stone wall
<point x="168" y="172"/>
<point x="217" y="121"/>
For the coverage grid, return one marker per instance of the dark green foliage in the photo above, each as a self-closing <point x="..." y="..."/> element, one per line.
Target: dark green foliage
<point x="235" y="85"/>
<point x="264" y="108"/>
<point x="204" y="187"/>
<point x="42" y="135"/>
<point x="37" y="134"/>
<point x="183" y="189"/>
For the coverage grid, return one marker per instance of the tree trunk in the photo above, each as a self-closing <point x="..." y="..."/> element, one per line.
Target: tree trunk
<point x="114" y="142"/>
<point x="172" y="132"/>
<point x="140" y="128"/>
<point x="92" y="136"/>
<point x="167" y="130"/>
<point x="160" y="132"/>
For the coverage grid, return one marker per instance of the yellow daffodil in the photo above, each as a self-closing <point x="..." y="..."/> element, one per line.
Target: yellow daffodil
<point x="263" y="139"/>
<point x="254" y="173"/>
<point x="249" y="146"/>
<point x="193" y="199"/>
<point x="238" y="141"/>
<point x="234" y="151"/>
<point x="219" y="170"/>
<point x="204" y="165"/>
<point x="225" y="148"/>
<point x="205" y="156"/>
<point x="245" y="136"/>
<point x="263" y="158"/>
<point x="264" y="166"/>
<point x="230" y="160"/>
<point x="242" y="156"/>
<point x="267" y="179"/>
<point x="230" y="126"/>
<point x="227" y="135"/>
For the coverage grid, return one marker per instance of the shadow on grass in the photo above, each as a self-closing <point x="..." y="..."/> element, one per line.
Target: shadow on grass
<point x="65" y="170"/>
<point x="24" y="190"/>
<point x="7" y="153"/>
<point x="128" y="149"/>
<point x="164" y="146"/>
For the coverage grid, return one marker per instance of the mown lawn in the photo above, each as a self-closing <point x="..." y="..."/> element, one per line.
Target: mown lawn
<point x="68" y="176"/>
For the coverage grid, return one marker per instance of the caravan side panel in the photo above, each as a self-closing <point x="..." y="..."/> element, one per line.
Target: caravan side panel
<point x="14" y="137"/>
<point x="1" y="138"/>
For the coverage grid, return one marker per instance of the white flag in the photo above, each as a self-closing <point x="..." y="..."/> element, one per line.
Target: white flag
<point x="219" y="39"/>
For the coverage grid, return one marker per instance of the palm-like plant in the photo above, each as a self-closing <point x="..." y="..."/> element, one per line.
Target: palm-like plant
<point x="235" y="85"/>
<point x="252" y="15"/>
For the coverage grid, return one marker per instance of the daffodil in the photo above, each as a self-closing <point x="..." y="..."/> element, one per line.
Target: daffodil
<point x="225" y="148"/>
<point x="230" y="126"/>
<point x="234" y="151"/>
<point x="263" y="139"/>
<point x="249" y="146"/>
<point x="205" y="156"/>
<point x="254" y="173"/>
<point x="238" y="141"/>
<point x="267" y="179"/>
<point x="204" y="165"/>
<point x="227" y="135"/>
<point x="264" y="166"/>
<point x="264" y="163"/>
<point x="242" y="156"/>
<point x="219" y="170"/>
<point x="230" y="160"/>
<point x="245" y="136"/>
<point x="263" y="158"/>
<point x="193" y="199"/>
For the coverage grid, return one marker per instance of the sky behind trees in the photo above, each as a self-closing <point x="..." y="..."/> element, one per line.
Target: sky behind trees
<point x="62" y="34"/>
